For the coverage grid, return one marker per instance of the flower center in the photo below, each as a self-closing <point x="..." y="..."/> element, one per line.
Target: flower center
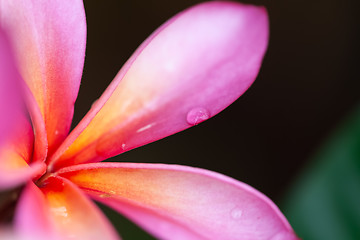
<point x="42" y="180"/>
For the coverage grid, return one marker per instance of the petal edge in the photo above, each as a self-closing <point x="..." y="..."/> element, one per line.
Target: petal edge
<point x="190" y="69"/>
<point x="192" y="201"/>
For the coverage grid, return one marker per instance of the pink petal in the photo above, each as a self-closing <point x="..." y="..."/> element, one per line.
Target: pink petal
<point x="40" y="141"/>
<point x="32" y="214"/>
<point x="60" y="211"/>
<point x="16" y="133"/>
<point x="16" y="177"/>
<point x="15" y="156"/>
<point x="190" y="69"/>
<point x="72" y="214"/>
<point x="49" y="40"/>
<point x="9" y="234"/>
<point x="178" y="202"/>
<point x="12" y="108"/>
<point x="10" y="104"/>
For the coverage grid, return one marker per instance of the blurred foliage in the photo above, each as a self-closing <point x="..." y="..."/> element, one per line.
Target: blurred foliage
<point x="325" y="201"/>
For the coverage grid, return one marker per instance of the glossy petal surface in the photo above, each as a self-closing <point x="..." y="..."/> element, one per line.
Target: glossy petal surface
<point x="73" y="215"/>
<point x="49" y="42"/>
<point x="16" y="134"/>
<point x="32" y="215"/>
<point x="190" y="69"/>
<point x="15" y="155"/>
<point x="179" y="202"/>
<point x="9" y="90"/>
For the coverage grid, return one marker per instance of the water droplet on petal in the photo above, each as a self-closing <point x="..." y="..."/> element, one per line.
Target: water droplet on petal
<point x="197" y="115"/>
<point x="108" y="194"/>
<point x="145" y="127"/>
<point x="105" y="195"/>
<point x="123" y="146"/>
<point x="60" y="211"/>
<point x="236" y="213"/>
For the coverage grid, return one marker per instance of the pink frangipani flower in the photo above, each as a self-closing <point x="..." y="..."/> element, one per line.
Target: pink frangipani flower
<point x="188" y="70"/>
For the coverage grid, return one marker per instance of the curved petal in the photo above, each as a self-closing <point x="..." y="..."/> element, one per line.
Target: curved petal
<point x="15" y="177"/>
<point x="31" y="216"/>
<point x="15" y="156"/>
<point x="190" y="69"/>
<point x="10" y="98"/>
<point x="16" y="134"/>
<point x="49" y="41"/>
<point x="9" y="234"/>
<point x="40" y="141"/>
<point x="182" y="202"/>
<point x="12" y="94"/>
<point x="72" y="214"/>
<point x="60" y="211"/>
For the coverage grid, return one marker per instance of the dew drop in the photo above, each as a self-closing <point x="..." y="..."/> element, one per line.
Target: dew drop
<point x="123" y="146"/>
<point x="60" y="211"/>
<point x="197" y="115"/>
<point x="105" y="195"/>
<point x="145" y="127"/>
<point x="236" y="213"/>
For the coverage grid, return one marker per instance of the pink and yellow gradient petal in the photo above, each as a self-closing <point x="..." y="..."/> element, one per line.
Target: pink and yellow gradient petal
<point x="49" y="42"/>
<point x="65" y="211"/>
<point x="32" y="219"/>
<point x="16" y="134"/>
<point x="10" y="98"/>
<point x="15" y="156"/>
<point x="190" y="69"/>
<point x="178" y="201"/>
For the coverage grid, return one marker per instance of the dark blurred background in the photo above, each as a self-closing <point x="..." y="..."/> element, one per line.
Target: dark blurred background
<point x="308" y="83"/>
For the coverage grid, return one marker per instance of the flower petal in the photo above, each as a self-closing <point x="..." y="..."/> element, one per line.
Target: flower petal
<point x="49" y="41"/>
<point x="10" y="98"/>
<point x="9" y="234"/>
<point x="182" y="202"/>
<point x="59" y="210"/>
<point x="16" y="177"/>
<point x="31" y="216"/>
<point x="190" y="69"/>
<point x="40" y="141"/>
<point x="15" y="155"/>
<point x="72" y="214"/>
<point x="16" y="138"/>
<point x="12" y="109"/>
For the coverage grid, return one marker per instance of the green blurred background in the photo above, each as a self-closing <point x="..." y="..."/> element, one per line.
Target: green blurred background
<point x="273" y="133"/>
